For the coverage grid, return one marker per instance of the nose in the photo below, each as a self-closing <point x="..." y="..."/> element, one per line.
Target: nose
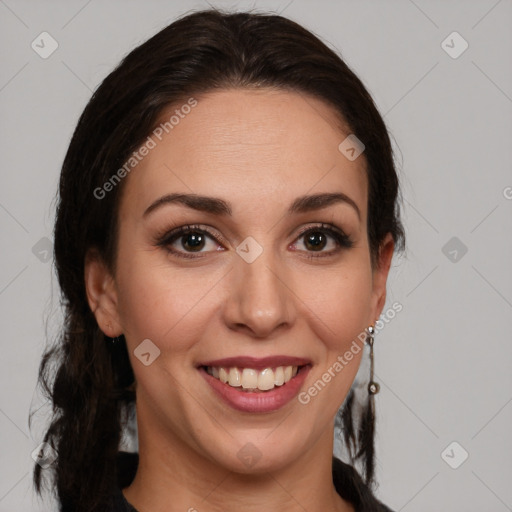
<point x="260" y="300"/>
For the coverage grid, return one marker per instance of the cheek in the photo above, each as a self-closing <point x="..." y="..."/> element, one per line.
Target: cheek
<point x="157" y="302"/>
<point x="337" y="304"/>
<point x="337" y="308"/>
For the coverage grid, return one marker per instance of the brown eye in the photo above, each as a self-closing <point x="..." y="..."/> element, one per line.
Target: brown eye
<point x="193" y="241"/>
<point x="315" y="241"/>
<point x="187" y="240"/>
<point x="317" y="238"/>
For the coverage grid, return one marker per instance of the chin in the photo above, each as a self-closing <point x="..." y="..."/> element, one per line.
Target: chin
<point x="255" y="454"/>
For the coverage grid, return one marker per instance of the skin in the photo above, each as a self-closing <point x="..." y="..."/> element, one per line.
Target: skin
<point x="258" y="150"/>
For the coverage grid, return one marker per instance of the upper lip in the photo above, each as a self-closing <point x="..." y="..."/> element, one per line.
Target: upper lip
<point x="257" y="363"/>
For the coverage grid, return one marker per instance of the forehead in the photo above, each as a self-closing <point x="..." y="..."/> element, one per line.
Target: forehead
<point x="247" y="146"/>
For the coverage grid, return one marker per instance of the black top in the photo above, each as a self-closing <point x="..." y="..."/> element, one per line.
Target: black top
<point x="347" y="481"/>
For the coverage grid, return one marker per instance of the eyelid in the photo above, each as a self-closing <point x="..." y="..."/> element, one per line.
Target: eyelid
<point x="321" y="226"/>
<point x="163" y="237"/>
<point x="342" y="240"/>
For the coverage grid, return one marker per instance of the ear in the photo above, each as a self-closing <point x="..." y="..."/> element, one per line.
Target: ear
<point x="380" y="276"/>
<point x="102" y="294"/>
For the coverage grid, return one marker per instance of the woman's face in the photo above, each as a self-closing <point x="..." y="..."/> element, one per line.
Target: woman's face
<point x="247" y="282"/>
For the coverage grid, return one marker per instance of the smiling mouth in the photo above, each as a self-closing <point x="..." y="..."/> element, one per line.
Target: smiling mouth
<point x="253" y="380"/>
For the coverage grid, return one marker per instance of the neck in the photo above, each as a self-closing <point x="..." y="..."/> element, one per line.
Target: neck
<point x="172" y="476"/>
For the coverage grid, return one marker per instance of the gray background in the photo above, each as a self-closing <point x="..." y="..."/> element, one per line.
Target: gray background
<point x="444" y="361"/>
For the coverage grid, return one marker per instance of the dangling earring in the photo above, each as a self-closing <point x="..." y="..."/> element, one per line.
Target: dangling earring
<point x="366" y="428"/>
<point x="373" y="387"/>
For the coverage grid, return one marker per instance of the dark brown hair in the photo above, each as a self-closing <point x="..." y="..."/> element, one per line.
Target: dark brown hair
<point x="89" y="383"/>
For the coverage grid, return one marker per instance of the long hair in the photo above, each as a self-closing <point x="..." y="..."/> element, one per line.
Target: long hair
<point x="88" y="383"/>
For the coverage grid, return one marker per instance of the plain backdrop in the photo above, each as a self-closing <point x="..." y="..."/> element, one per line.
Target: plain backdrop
<point x="444" y="410"/>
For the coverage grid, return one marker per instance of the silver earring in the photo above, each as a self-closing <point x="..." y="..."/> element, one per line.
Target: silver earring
<point x="373" y="387"/>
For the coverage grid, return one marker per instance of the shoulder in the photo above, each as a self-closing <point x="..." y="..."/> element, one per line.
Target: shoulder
<point x="119" y="503"/>
<point x="351" y="487"/>
<point x="127" y="463"/>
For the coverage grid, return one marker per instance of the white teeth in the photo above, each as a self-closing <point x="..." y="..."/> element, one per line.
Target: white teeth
<point x="279" y="376"/>
<point x="250" y="379"/>
<point x="235" y="377"/>
<point x="266" y="379"/>
<point x="223" y="375"/>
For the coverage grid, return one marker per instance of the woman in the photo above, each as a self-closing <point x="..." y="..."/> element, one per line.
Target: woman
<point x="227" y="217"/>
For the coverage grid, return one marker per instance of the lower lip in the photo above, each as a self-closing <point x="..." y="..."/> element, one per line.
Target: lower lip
<point x="266" y="401"/>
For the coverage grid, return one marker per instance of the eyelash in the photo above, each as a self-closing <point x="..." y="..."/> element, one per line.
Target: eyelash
<point x="342" y="240"/>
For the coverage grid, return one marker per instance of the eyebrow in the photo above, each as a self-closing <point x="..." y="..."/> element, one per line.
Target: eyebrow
<point x="218" y="206"/>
